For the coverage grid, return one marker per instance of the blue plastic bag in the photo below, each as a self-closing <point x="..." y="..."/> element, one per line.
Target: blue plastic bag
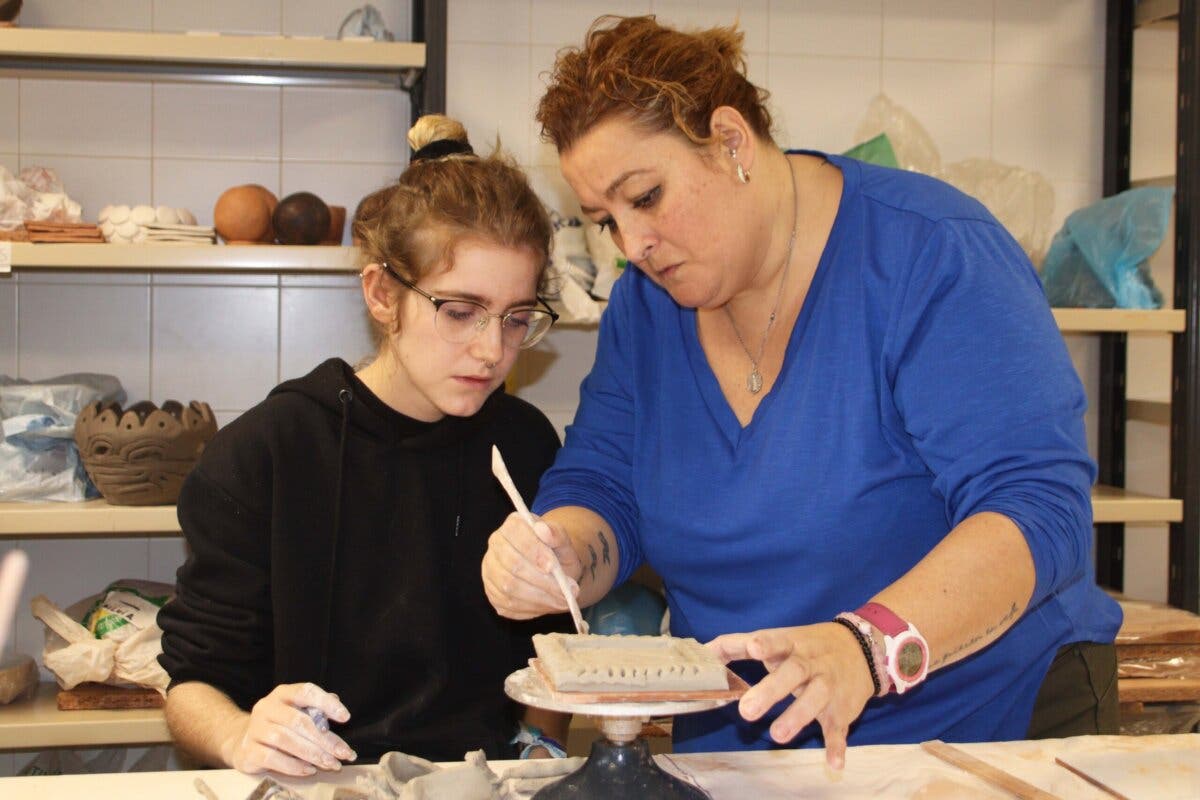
<point x="38" y="456"/>
<point x="1098" y="259"/>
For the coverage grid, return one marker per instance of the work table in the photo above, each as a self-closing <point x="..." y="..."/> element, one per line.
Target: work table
<point x="1160" y="767"/>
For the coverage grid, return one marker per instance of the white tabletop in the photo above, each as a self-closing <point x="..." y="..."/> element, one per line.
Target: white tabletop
<point x="1159" y="767"/>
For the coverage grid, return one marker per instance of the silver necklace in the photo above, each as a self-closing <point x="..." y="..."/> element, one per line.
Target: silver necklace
<point x="754" y="380"/>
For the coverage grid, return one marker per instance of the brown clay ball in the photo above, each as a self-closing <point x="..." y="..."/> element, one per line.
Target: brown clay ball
<point x="301" y="218"/>
<point x="243" y="214"/>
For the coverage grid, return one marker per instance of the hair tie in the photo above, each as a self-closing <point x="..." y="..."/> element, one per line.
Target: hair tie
<point x="440" y="149"/>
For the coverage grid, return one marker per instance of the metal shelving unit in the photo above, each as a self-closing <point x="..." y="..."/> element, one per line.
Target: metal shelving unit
<point x="1114" y="406"/>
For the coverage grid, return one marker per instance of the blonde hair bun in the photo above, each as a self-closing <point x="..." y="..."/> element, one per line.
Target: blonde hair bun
<point x="434" y="128"/>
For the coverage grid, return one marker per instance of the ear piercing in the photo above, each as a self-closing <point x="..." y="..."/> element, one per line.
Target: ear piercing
<point x="742" y="173"/>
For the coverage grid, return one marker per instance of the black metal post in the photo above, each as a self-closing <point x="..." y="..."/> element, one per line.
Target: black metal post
<point x="1110" y="402"/>
<point x="1183" y="585"/>
<point x="428" y="96"/>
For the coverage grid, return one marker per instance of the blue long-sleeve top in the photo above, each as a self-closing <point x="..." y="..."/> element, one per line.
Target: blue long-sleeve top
<point x="924" y="381"/>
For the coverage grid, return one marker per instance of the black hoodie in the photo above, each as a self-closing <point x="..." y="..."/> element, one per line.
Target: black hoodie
<point x="335" y="540"/>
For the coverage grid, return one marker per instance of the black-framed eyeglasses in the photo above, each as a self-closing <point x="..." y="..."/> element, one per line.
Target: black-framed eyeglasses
<point x="461" y="321"/>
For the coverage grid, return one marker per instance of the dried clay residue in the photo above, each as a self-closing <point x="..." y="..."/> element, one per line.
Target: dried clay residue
<point x="946" y="789"/>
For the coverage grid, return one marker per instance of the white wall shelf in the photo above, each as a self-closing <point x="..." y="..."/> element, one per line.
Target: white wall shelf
<point x="184" y="258"/>
<point x="35" y="723"/>
<point x="87" y="518"/>
<point x="207" y="57"/>
<point x="1081" y="320"/>
<point x="98" y="518"/>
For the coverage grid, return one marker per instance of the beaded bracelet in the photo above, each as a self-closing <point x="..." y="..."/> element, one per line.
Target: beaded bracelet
<point x="868" y="654"/>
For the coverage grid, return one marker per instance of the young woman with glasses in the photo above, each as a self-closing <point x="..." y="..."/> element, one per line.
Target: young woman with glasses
<point x="331" y="608"/>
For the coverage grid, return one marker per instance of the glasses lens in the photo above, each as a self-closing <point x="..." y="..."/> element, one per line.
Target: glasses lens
<point x="458" y="320"/>
<point x="533" y="324"/>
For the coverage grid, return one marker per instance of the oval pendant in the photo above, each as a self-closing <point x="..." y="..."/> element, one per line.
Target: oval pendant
<point x="754" y="382"/>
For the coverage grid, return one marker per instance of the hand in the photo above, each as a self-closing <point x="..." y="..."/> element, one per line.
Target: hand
<point x="516" y="568"/>
<point x="278" y="735"/>
<point x="821" y="665"/>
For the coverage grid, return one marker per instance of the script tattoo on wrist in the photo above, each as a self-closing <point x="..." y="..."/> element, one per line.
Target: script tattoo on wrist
<point x="987" y="635"/>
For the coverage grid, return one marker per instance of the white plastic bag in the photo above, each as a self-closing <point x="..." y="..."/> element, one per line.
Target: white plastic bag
<point x="125" y="654"/>
<point x="1022" y="200"/>
<point x="38" y="456"/>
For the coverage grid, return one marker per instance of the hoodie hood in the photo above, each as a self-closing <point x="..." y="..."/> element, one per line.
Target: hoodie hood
<point x="332" y="385"/>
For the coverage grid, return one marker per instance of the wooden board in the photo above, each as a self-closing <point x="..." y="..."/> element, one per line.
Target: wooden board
<point x="737" y="688"/>
<point x="1154" y="690"/>
<point x="97" y="696"/>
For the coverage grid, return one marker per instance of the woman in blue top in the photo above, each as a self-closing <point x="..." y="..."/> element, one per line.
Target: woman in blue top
<point x="830" y="406"/>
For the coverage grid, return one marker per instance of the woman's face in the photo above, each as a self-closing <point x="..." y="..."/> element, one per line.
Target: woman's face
<point x="667" y="207"/>
<point x="436" y="378"/>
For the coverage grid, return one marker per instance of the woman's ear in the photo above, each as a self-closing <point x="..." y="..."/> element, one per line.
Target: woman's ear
<point x="735" y="140"/>
<point x="379" y="295"/>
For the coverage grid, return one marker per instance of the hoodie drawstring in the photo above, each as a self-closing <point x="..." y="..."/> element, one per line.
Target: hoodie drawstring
<point x="346" y="398"/>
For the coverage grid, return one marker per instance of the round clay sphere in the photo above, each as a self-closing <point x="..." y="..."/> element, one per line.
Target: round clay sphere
<point x="243" y="214"/>
<point x="301" y="218"/>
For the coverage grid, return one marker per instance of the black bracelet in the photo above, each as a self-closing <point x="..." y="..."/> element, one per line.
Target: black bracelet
<point x="866" y="650"/>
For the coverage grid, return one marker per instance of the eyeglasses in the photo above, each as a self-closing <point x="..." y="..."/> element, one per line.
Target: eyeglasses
<point x="462" y="320"/>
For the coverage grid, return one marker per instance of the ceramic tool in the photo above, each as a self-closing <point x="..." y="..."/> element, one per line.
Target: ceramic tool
<point x="13" y="569"/>
<point x="501" y="473"/>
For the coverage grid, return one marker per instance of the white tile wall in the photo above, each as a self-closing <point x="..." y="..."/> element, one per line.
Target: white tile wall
<point x="85" y="118"/>
<point x="1016" y="80"/>
<point x="10" y="129"/>
<point x="8" y="333"/>
<point x="216" y="122"/>
<point x="131" y="15"/>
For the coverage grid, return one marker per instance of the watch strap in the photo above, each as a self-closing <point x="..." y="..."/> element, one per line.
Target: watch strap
<point x="883" y="618"/>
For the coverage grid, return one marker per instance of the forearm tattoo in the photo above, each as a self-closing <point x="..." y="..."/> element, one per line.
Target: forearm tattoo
<point x="595" y="558"/>
<point x="986" y="636"/>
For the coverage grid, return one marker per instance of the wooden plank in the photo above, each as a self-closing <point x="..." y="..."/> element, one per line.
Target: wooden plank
<point x="186" y="258"/>
<point x="981" y="769"/>
<point x="1158" y="690"/>
<point x="1112" y="504"/>
<point x="97" y="696"/>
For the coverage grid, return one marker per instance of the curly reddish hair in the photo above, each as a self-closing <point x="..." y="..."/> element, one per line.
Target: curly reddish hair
<point x="659" y="77"/>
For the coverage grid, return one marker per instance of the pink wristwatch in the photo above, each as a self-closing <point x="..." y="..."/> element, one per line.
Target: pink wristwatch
<point x="905" y="651"/>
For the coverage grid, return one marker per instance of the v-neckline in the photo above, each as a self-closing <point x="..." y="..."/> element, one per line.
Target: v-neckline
<point x="710" y="388"/>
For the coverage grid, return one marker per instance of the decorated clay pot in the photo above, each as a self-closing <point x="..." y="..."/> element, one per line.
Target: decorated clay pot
<point x="301" y="218"/>
<point x="337" y="221"/>
<point x="139" y="456"/>
<point x="242" y="214"/>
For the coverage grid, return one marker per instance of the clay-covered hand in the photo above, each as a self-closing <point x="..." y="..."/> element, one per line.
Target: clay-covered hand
<point x="516" y="568"/>
<point x="280" y="736"/>
<point x="822" y="666"/>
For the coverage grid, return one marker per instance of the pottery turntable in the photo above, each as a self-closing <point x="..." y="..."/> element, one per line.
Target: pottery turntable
<point x="620" y="764"/>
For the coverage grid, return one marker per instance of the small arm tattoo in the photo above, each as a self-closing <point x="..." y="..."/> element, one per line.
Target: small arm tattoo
<point x="604" y="546"/>
<point x="592" y="565"/>
<point x="974" y="640"/>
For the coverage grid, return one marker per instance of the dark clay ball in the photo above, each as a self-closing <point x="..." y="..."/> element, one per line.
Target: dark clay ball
<point x="301" y="218"/>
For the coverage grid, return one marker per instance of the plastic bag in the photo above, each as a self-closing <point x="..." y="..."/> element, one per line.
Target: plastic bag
<point x="1098" y="258"/>
<point x="109" y="651"/>
<point x="1022" y="200"/>
<point x="38" y="456"/>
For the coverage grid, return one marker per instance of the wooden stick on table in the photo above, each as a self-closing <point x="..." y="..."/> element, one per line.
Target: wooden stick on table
<point x="981" y="769"/>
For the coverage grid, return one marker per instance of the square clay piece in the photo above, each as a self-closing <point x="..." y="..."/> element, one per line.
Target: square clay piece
<point x="584" y="663"/>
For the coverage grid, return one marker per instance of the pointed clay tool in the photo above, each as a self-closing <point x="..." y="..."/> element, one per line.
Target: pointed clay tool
<point x="501" y="473"/>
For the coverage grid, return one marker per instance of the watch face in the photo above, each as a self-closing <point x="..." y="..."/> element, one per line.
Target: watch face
<point x="910" y="659"/>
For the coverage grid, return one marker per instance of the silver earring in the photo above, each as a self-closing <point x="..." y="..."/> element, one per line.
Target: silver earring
<point x="742" y="174"/>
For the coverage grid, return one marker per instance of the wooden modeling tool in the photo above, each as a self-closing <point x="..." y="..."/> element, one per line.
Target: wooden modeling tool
<point x="981" y="769"/>
<point x="501" y="473"/>
<point x="13" y="569"/>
